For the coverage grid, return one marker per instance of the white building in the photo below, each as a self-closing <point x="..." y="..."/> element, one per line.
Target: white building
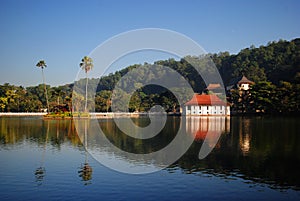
<point x="240" y="83"/>
<point x="206" y="105"/>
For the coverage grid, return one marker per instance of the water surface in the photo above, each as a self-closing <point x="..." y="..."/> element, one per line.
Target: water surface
<point x="255" y="158"/>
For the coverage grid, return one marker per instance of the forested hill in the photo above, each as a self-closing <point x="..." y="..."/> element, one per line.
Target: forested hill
<point x="278" y="63"/>
<point x="275" y="62"/>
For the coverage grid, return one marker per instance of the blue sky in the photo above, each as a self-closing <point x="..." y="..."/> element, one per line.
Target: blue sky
<point x="62" y="32"/>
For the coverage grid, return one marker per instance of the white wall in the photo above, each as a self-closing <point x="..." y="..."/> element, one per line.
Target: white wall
<point x="205" y="110"/>
<point x="244" y="86"/>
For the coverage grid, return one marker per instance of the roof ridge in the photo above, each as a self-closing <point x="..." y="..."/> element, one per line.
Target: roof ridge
<point x="205" y="99"/>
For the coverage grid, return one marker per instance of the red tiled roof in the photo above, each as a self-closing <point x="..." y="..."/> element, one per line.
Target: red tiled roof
<point x="213" y="86"/>
<point x="205" y="99"/>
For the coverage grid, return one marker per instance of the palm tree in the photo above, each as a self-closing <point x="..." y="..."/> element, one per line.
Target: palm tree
<point x="42" y="64"/>
<point x="86" y="65"/>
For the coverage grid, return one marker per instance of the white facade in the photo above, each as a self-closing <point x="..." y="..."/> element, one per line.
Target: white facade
<point x="206" y="110"/>
<point x="244" y="86"/>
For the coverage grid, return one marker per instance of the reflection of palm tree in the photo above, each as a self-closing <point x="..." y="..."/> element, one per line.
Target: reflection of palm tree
<point x="41" y="171"/>
<point x="85" y="173"/>
<point x="57" y="140"/>
<point x="39" y="175"/>
<point x="86" y="170"/>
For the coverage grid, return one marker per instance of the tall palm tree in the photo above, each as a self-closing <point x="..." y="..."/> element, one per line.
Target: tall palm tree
<point x="42" y="64"/>
<point x="86" y="65"/>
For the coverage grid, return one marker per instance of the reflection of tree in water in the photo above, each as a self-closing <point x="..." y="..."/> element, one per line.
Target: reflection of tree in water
<point x="43" y="133"/>
<point x="39" y="175"/>
<point x="41" y="171"/>
<point x="86" y="170"/>
<point x="85" y="173"/>
<point x="253" y="150"/>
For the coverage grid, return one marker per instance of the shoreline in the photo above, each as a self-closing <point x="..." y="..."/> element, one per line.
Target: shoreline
<point x="104" y="115"/>
<point x="95" y="115"/>
<point x="22" y="114"/>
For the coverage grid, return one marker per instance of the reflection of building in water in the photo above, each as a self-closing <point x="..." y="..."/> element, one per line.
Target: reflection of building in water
<point x="206" y="105"/>
<point x="207" y="128"/>
<point x="244" y="136"/>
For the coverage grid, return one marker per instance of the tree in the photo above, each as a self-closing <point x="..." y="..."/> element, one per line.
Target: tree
<point x="86" y="65"/>
<point x="120" y="100"/>
<point x="68" y="100"/>
<point x="12" y="100"/>
<point x="286" y="101"/>
<point x="235" y="97"/>
<point x="3" y="103"/>
<point x="263" y="96"/>
<point x="135" y="102"/>
<point x="103" y="101"/>
<point x="77" y="99"/>
<point x="42" y="64"/>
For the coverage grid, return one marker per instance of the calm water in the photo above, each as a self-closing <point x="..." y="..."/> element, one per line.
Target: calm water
<point x="254" y="159"/>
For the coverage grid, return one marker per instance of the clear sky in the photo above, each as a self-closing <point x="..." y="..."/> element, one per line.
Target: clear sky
<point x="63" y="31"/>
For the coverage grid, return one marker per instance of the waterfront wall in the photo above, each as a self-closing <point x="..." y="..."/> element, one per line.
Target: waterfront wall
<point x="9" y="114"/>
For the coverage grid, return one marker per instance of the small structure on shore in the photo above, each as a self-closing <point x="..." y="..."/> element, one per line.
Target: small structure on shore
<point x="240" y="83"/>
<point x="238" y="93"/>
<point x="206" y="105"/>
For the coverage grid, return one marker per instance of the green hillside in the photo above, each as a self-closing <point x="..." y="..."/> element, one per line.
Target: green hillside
<point x="275" y="68"/>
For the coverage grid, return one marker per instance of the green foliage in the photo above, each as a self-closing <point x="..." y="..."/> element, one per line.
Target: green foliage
<point x="3" y="103"/>
<point x="275" y="68"/>
<point x="41" y="64"/>
<point x="102" y="101"/>
<point x="86" y="64"/>
<point x="265" y="97"/>
<point x="32" y="99"/>
<point x="275" y="62"/>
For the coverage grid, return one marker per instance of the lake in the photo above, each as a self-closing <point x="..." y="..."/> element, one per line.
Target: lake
<point x="252" y="158"/>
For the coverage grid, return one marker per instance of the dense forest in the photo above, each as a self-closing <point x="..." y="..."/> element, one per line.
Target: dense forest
<point x="275" y="69"/>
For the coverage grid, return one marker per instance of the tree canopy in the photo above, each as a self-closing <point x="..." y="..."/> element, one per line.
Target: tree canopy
<point x="275" y="68"/>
